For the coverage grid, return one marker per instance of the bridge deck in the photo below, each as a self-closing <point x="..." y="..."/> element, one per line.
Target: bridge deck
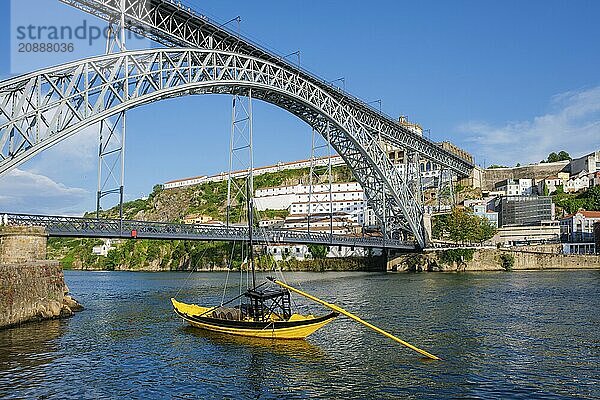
<point x="58" y="226"/>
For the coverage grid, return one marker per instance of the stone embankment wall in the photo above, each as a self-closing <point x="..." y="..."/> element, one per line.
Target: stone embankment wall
<point x="537" y="171"/>
<point x="534" y="258"/>
<point x="530" y="260"/>
<point x="31" y="287"/>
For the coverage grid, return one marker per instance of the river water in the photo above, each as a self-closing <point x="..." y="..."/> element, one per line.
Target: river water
<point x="501" y="335"/>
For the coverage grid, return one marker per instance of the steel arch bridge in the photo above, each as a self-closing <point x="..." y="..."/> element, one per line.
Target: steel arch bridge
<point x="43" y="108"/>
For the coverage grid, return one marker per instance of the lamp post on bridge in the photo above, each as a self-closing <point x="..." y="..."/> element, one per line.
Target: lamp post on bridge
<point x="342" y="79"/>
<point x="296" y="53"/>
<point x="376" y="101"/>
<point x="238" y="19"/>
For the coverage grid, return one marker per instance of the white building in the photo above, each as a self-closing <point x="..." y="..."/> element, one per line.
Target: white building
<point x="545" y="232"/>
<point x="271" y="223"/>
<point x="336" y="223"/>
<point x="103" y="249"/>
<point x="282" y="197"/>
<point x="552" y="182"/>
<point x="579" y="227"/>
<point x="346" y="198"/>
<point x="281" y="252"/>
<point x="300" y="252"/>
<point x="578" y="182"/>
<point x="512" y="187"/>
<point x="197" y="219"/>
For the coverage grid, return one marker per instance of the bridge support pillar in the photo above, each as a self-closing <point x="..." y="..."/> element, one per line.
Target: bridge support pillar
<point x="33" y="288"/>
<point x="22" y="244"/>
<point x="385" y="255"/>
<point x="427" y="229"/>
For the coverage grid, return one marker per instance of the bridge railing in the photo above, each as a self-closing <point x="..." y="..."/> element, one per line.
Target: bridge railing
<point x="93" y="227"/>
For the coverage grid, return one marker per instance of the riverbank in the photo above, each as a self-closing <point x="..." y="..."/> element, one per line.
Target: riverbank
<point x="546" y="257"/>
<point x="349" y="264"/>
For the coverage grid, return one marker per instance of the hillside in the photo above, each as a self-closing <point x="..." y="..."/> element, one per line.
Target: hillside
<point x="210" y="198"/>
<point x="173" y="205"/>
<point x="568" y="203"/>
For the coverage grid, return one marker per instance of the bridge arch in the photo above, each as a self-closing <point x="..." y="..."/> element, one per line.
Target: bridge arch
<point x="40" y="109"/>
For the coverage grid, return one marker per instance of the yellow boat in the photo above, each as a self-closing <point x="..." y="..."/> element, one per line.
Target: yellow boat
<point x="265" y="311"/>
<point x="236" y="321"/>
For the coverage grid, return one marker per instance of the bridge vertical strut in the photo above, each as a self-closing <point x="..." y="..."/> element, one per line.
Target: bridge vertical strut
<point x="111" y="153"/>
<point x="445" y="191"/>
<point x="240" y="179"/>
<point x="319" y="200"/>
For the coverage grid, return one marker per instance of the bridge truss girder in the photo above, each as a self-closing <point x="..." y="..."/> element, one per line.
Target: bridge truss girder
<point x="41" y="109"/>
<point x="171" y="25"/>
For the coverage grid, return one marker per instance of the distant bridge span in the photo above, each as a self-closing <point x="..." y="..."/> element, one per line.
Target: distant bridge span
<point x="57" y="226"/>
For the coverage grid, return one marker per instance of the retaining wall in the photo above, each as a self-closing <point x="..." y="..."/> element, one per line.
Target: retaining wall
<point x="492" y="260"/>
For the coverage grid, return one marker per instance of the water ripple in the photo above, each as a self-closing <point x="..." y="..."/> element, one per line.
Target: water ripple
<point x="501" y="335"/>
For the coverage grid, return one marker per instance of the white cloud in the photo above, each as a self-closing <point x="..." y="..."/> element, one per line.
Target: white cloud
<point x="70" y="158"/>
<point x="28" y="192"/>
<point x="572" y="125"/>
<point x="51" y="182"/>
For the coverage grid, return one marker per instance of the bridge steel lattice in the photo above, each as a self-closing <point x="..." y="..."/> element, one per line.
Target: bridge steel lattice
<point x="57" y="226"/>
<point x="40" y="109"/>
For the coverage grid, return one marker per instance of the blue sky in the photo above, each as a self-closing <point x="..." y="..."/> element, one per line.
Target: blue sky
<point x="509" y="81"/>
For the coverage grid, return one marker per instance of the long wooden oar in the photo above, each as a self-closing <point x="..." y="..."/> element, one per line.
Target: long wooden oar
<point x="354" y="317"/>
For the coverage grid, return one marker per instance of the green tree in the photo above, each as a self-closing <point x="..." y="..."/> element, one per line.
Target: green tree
<point x="507" y="261"/>
<point x="112" y="260"/>
<point x="153" y="250"/>
<point x="553" y="157"/>
<point x="317" y="250"/>
<point x="484" y="230"/>
<point x="563" y="156"/>
<point x="462" y="226"/>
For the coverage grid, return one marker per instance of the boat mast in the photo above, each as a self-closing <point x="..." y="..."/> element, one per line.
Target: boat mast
<point x="250" y="187"/>
<point x="250" y="228"/>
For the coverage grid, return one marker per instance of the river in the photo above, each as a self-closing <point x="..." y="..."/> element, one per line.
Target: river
<point x="500" y="335"/>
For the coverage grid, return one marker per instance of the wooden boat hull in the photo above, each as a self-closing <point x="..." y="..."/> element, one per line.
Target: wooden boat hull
<point x="297" y="327"/>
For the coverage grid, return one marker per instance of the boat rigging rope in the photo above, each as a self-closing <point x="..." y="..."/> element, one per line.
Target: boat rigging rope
<point x="189" y="275"/>
<point x="228" y="270"/>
